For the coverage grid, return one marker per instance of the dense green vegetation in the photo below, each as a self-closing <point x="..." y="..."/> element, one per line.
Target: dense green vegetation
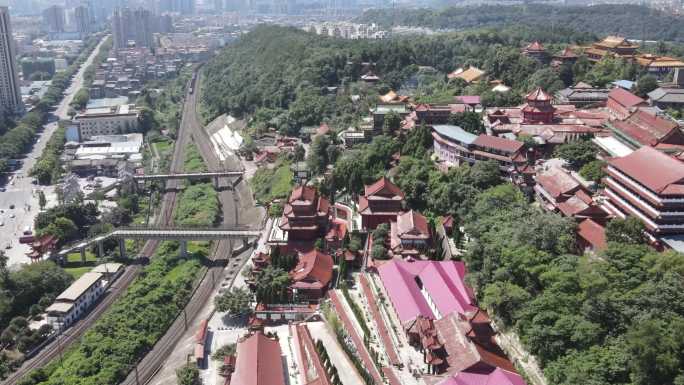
<point x="130" y="328"/>
<point x="161" y="104"/>
<point x="268" y="184"/>
<point x="633" y="21"/>
<point x="193" y="160"/>
<point x="24" y="293"/>
<point x="47" y="169"/>
<point x="198" y="206"/>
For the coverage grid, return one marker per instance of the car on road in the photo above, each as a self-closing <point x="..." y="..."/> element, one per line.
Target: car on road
<point x="11" y="207"/>
<point x="12" y="216"/>
<point x="2" y="189"/>
<point x="8" y="246"/>
<point x="2" y="223"/>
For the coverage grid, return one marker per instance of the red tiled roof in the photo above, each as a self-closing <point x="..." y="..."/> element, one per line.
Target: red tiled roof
<point x="651" y="168"/>
<point x="254" y="365"/>
<point x="647" y="129"/>
<point x="624" y="97"/>
<point x="412" y="222"/>
<point x="557" y="182"/>
<point x="593" y="233"/>
<point x="383" y="186"/>
<point x="469" y="99"/>
<point x="497" y="143"/>
<point x="538" y="95"/>
<point x="315" y="267"/>
<point x="535" y="46"/>
<point x="303" y="193"/>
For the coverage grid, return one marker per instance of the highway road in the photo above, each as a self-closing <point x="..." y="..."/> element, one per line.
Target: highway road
<point x="20" y="191"/>
<point x="165" y="217"/>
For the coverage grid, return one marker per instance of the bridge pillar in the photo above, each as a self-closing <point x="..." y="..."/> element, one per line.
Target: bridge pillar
<point x="122" y="248"/>
<point x="83" y="255"/>
<point x="183" y="248"/>
<point x="216" y="182"/>
<point x="100" y="249"/>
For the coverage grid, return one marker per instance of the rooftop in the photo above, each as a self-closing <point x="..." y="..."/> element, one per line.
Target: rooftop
<point x="80" y="286"/>
<point x="625" y="98"/>
<point x="442" y="282"/>
<point x="258" y="362"/>
<point x="639" y="166"/>
<point x="497" y="143"/>
<point x="455" y="133"/>
<point x="497" y="377"/>
<point x="647" y="129"/>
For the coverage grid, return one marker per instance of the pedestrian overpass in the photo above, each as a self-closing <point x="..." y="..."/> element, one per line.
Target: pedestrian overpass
<point x="162" y="233"/>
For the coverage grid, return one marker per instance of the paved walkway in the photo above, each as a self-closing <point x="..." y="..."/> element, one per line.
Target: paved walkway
<point x="345" y="368"/>
<point x="380" y="323"/>
<point x="358" y="342"/>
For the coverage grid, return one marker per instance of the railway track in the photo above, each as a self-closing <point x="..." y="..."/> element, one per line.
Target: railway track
<point x="148" y="367"/>
<point x="54" y="349"/>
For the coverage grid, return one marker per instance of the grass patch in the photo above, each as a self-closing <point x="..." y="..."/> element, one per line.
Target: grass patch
<point x="269" y="184"/>
<point x="77" y="272"/>
<point x="193" y="160"/>
<point x="76" y="257"/>
<point x="198" y="206"/>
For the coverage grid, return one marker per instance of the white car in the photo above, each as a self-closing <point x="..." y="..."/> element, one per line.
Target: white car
<point x="2" y="223"/>
<point x="12" y="215"/>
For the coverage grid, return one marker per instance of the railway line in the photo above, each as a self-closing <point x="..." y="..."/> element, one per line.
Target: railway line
<point x="148" y="367"/>
<point x="55" y="349"/>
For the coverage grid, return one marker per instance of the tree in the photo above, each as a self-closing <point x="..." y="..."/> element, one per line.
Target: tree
<point x="299" y="153"/>
<point x="146" y="120"/>
<point x="418" y="142"/>
<point x="645" y="84"/>
<point x="318" y="154"/>
<point x="593" y="171"/>
<point x="236" y="302"/>
<point x="546" y="78"/>
<point x="630" y="230"/>
<point x="391" y="123"/>
<point x="188" y="375"/>
<point x="656" y="346"/>
<point x="469" y="121"/>
<point x="577" y="153"/>
<point x="62" y="228"/>
<point x="42" y="202"/>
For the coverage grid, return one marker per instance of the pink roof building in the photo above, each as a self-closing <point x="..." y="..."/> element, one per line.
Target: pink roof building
<point x="497" y="377"/>
<point x="432" y="289"/>
<point x="257" y="356"/>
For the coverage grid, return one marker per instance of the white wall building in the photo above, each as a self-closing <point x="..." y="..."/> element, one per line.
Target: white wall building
<point x="75" y="301"/>
<point x="115" y="120"/>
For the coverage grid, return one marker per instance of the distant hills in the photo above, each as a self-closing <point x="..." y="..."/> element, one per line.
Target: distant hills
<point x="632" y="21"/>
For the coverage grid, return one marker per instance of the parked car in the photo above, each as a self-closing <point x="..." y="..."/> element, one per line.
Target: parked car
<point x="11" y="207"/>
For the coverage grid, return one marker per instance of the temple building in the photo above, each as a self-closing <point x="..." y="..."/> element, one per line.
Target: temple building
<point x="615" y="46"/>
<point x="311" y="276"/>
<point x="659" y="66"/>
<point x="306" y="215"/>
<point x="567" y="56"/>
<point x="583" y="95"/>
<point x="654" y="194"/>
<point x="410" y="236"/>
<point x="536" y="51"/>
<point x="381" y="202"/>
<point x="558" y="191"/>
<point x="258" y="361"/>
<point x="621" y="103"/>
<point x="547" y="123"/>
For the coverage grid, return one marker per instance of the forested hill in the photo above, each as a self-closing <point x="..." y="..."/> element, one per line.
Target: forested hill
<point x="280" y="74"/>
<point x="632" y="21"/>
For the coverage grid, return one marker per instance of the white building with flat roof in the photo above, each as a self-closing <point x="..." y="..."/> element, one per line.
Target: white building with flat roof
<point x="115" y="120"/>
<point x="75" y="301"/>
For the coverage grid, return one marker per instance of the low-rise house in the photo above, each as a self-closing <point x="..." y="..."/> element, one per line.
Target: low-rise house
<point x="258" y="361"/>
<point x="558" y="191"/>
<point x="311" y="276"/>
<point x="381" y="202"/>
<point x="117" y="120"/>
<point x="453" y="146"/>
<point x="75" y="301"/>
<point x="622" y="103"/>
<point x="642" y="128"/>
<point x="582" y="95"/>
<point x="410" y="235"/>
<point x="591" y="235"/>
<point x="469" y="75"/>
<point x="497" y="377"/>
